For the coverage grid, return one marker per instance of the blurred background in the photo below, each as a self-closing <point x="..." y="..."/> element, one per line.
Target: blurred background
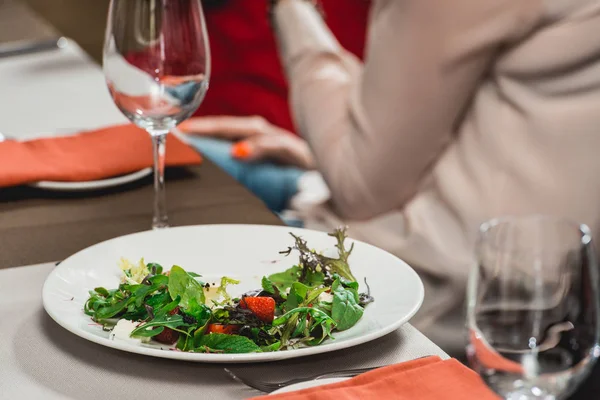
<point x="81" y="20"/>
<point x="547" y="151"/>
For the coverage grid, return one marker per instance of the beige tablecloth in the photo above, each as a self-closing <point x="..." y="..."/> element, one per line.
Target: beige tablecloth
<point x="41" y="360"/>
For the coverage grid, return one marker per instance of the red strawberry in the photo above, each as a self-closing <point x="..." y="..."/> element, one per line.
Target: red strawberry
<point x="262" y="307"/>
<point x="220" y="328"/>
<point x="167" y="336"/>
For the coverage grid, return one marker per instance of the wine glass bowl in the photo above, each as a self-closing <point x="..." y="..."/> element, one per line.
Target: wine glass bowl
<point x="157" y="66"/>
<point x="533" y="307"/>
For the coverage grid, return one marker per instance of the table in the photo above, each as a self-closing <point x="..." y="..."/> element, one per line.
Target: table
<point x="40" y="359"/>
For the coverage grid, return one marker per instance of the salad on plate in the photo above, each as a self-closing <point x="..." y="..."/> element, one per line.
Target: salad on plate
<point x="299" y="307"/>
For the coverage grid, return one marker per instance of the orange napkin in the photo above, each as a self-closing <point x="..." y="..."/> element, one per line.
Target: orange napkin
<point x="92" y="155"/>
<point x="423" y="379"/>
<point x="489" y="358"/>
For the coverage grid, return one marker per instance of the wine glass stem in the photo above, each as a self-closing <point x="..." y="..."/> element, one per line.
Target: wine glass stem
<point x="160" y="219"/>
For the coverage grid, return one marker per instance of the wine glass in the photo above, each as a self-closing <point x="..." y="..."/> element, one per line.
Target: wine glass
<point x="532" y="302"/>
<point x="157" y="67"/>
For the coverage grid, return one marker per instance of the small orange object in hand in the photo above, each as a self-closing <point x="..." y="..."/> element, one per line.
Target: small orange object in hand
<point x="241" y="150"/>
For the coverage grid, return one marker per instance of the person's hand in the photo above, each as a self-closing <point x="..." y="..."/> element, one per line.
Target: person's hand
<point x="257" y="139"/>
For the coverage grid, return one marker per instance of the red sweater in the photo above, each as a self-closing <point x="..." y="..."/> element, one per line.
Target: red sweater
<point x="247" y="76"/>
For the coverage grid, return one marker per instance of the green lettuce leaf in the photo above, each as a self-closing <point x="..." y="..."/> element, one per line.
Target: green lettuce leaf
<point x="314" y="278"/>
<point x="298" y="292"/>
<point x="128" y="299"/>
<point x="102" y="291"/>
<point x="284" y="280"/>
<point x="221" y="343"/>
<point x="295" y="324"/>
<point x="222" y="289"/>
<point x="195" y="333"/>
<point x="155" y="268"/>
<point x="345" y="310"/>
<point x="186" y="287"/>
<point x="272" y="347"/>
<point x="200" y="312"/>
<point x="158" y="324"/>
<point x="267" y="285"/>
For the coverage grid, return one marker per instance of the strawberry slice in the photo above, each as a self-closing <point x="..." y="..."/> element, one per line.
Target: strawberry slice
<point x="167" y="336"/>
<point x="221" y="328"/>
<point x="262" y="307"/>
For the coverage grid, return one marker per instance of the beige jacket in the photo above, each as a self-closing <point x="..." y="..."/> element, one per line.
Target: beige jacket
<point x="463" y="111"/>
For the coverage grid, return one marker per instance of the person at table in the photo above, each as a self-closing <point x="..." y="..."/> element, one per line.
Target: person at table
<point x="248" y="82"/>
<point x="462" y="111"/>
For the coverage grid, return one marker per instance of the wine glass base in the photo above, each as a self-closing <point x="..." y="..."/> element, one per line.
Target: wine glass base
<point x="159" y="225"/>
<point x="529" y="394"/>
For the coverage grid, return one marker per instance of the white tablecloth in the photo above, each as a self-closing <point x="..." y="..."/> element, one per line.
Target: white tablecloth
<point x="41" y="360"/>
<point x="54" y="92"/>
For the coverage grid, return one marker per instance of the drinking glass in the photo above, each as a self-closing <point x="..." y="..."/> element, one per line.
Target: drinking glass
<point x="157" y="66"/>
<point x="532" y="302"/>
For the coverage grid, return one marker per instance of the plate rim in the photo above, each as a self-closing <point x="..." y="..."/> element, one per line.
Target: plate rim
<point x="68" y="186"/>
<point x="232" y="358"/>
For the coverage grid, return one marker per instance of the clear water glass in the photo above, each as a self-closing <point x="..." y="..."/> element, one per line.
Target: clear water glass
<point x="532" y="301"/>
<point x="157" y="67"/>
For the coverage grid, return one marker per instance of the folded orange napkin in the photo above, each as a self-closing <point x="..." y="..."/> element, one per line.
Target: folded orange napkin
<point x="87" y="156"/>
<point x="422" y="379"/>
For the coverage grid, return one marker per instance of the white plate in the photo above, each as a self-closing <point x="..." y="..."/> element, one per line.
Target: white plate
<point x="308" y="385"/>
<point x="245" y="252"/>
<point x="92" y="185"/>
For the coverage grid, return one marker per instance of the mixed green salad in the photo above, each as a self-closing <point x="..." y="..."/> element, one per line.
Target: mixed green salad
<point x="298" y="307"/>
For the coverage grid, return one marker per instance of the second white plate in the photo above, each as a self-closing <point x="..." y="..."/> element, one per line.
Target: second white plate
<point x="92" y="185"/>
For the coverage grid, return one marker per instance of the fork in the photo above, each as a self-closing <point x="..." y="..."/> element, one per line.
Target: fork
<point x="269" y="387"/>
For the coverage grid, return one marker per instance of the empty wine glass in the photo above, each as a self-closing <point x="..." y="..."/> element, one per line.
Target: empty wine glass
<point x="533" y="307"/>
<point x="157" y="67"/>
